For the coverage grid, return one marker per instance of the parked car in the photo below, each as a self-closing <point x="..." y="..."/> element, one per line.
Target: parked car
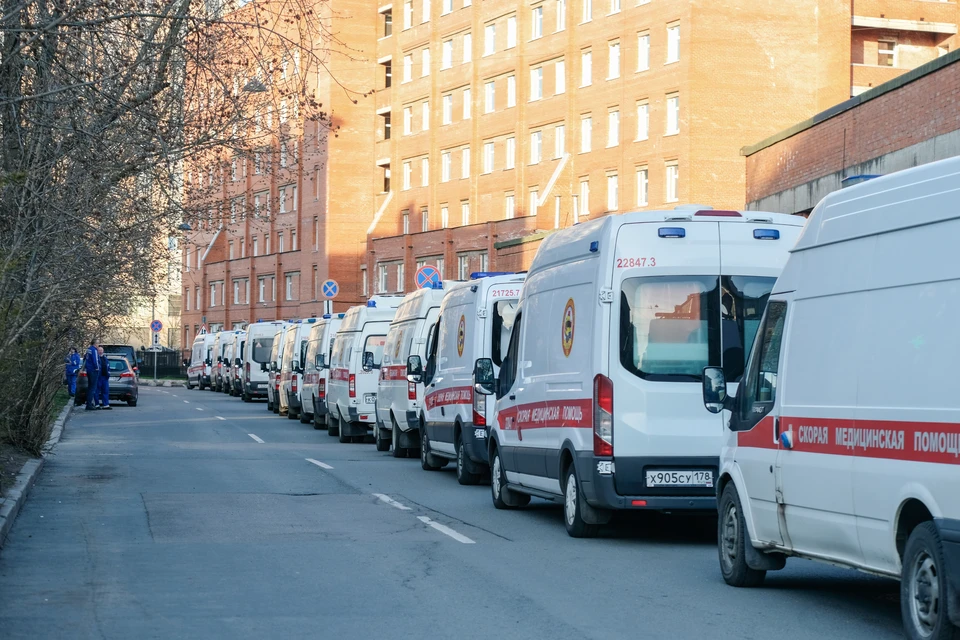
<point x="273" y="369"/>
<point x="123" y="382"/>
<point x="236" y="364"/>
<point x="291" y="367"/>
<point x="201" y="357"/>
<point x="843" y="439"/>
<point x="127" y="351"/>
<point x="316" y="370"/>
<point x="256" y="356"/>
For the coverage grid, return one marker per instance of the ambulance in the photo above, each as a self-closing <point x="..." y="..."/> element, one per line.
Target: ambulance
<point x="201" y="357"/>
<point x="256" y="357"/>
<point x="273" y="369"/>
<point x="317" y="369"/>
<point x="843" y="443"/>
<point x="599" y="399"/>
<point x="221" y="344"/>
<point x="475" y="321"/>
<point x="236" y="364"/>
<point x="354" y="368"/>
<point x="398" y="399"/>
<point x="291" y="367"/>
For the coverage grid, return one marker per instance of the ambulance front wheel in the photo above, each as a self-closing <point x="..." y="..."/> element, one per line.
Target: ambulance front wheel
<point x="732" y="540"/>
<point x="924" y="587"/>
<point x="428" y="461"/>
<point x="503" y="497"/>
<point x="574" y="505"/>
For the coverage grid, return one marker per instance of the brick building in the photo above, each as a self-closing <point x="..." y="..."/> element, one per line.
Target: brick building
<point x="495" y="122"/>
<point x="910" y="120"/>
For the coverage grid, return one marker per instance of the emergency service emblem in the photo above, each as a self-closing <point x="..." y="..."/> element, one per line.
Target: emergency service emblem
<point x="569" y="321"/>
<point x="461" y="334"/>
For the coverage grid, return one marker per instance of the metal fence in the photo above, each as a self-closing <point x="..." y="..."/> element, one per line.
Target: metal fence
<point x="169" y="364"/>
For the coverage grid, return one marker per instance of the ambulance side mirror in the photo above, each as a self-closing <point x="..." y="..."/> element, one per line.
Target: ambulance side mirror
<point x="715" y="397"/>
<point x="318" y="361"/>
<point x="484" y="380"/>
<point x="369" y="361"/>
<point x="237" y="362"/>
<point x="263" y="366"/>
<point x="414" y="369"/>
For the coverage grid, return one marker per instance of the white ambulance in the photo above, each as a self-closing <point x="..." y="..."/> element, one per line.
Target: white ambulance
<point x="844" y="438"/>
<point x="316" y="369"/>
<point x="599" y="401"/>
<point x="273" y="369"/>
<point x="354" y="368"/>
<point x="475" y="321"/>
<point x="222" y="346"/>
<point x="256" y="357"/>
<point x="236" y="363"/>
<point x="201" y="358"/>
<point x="398" y="399"/>
<point x="291" y="368"/>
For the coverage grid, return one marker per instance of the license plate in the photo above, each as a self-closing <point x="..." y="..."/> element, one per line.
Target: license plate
<point x="112" y="379"/>
<point x="679" y="478"/>
<point x="261" y="385"/>
<point x="369" y="398"/>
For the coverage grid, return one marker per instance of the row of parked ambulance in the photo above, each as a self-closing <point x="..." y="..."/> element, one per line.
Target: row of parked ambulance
<point x="799" y="379"/>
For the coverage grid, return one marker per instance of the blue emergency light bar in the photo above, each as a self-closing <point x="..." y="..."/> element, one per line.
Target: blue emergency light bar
<point x="672" y="232"/>
<point x="437" y="285"/>
<point x="326" y="316"/>
<point x="341" y="316"/>
<point x="766" y="234"/>
<point x="371" y="304"/>
<point x="476" y="275"/>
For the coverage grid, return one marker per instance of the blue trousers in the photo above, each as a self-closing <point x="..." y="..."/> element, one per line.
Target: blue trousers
<point x="72" y="384"/>
<point x="93" y="377"/>
<point x="103" y="390"/>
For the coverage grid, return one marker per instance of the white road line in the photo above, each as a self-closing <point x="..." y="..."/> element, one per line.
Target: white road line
<point x="459" y="537"/>
<point x="186" y="402"/>
<point x="322" y="465"/>
<point x="219" y="417"/>
<point x="199" y="409"/>
<point x="255" y="438"/>
<point x="390" y="501"/>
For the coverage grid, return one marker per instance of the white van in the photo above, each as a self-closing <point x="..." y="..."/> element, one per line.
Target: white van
<point x="844" y="439"/>
<point x="316" y="370"/>
<point x="273" y="369"/>
<point x="236" y="364"/>
<point x="599" y="402"/>
<point x="398" y="399"/>
<point x="201" y="357"/>
<point x="256" y="355"/>
<point x="229" y="345"/>
<point x="354" y="365"/>
<point x="222" y="342"/>
<point x="475" y="321"/>
<point x="291" y="368"/>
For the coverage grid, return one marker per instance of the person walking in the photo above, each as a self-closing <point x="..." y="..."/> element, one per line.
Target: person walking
<point x="91" y="364"/>
<point x="73" y="369"/>
<point x="103" y="384"/>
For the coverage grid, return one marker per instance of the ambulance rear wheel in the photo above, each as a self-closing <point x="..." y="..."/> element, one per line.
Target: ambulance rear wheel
<point x="341" y="423"/>
<point x="924" y="587"/>
<point x="383" y="443"/>
<point x="398" y="451"/>
<point x="732" y="540"/>
<point x="428" y="461"/>
<point x="464" y="474"/>
<point x="332" y="427"/>
<point x="573" y="506"/>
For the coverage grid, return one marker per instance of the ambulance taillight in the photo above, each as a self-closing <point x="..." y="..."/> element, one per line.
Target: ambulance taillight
<point x="602" y="416"/>
<point x="293" y="383"/>
<point x="479" y="410"/>
<point x="322" y="389"/>
<point x="411" y="390"/>
<point x="352" y="385"/>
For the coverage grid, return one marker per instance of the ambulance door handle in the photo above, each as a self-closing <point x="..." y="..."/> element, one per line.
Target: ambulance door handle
<point x="513" y="396"/>
<point x="776" y="428"/>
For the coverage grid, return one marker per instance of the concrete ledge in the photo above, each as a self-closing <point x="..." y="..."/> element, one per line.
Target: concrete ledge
<point x="533" y="237"/>
<point x="162" y="383"/>
<point x="10" y="506"/>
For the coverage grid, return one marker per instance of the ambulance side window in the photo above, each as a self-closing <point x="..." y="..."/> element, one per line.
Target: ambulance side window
<point x="430" y="368"/>
<point x="508" y="370"/>
<point x="759" y="388"/>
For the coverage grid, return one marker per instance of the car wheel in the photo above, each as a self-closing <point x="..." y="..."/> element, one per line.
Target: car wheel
<point x="383" y="444"/>
<point x="246" y="397"/>
<point x="573" y="508"/>
<point x="319" y="423"/>
<point x="292" y="415"/>
<point x="305" y="418"/>
<point x="428" y="461"/>
<point x="732" y="540"/>
<point x="132" y="403"/>
<point x="503" y="497"/>
<point x="332" y="428"/>
<point x="343" y="438"/>
<point x="464" y="475"/>
<point x="398" y="451"/>
<point x="924" y="587"/>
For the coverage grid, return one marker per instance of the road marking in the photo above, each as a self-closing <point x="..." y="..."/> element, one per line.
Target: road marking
<point x="459" y="537"/>
<point x="199" y="409"/>
<point x="322" y="465"/>
<point x="186" y="402"/>
<point x="390" y="501"/>
<point x="255" y="438"/>
<point x="219" y="417"/>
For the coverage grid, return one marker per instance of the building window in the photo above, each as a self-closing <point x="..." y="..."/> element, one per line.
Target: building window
<point x="467" y="105"/>
<point x="489" y="97"/>
<point x="534" y="202"/>
<point x="586" y="65"/>
<point x="447" y="109"/>
<point x="886" y="53"/>
<point x="408" y="14"/>
<point x="587" y="11"/>
<point x="584" y="197"/>
<point x="561" y="14"/>
<point x="279" y="241"/>
<point x="424" y="63"/>
<point x="444" y="216"/>
<point x="536" y="147"/>
<point x="614" y="6"/>
<point x="262" y="289"/>
<point x="673" y="114"/>
<point x="446" y="7"/>
<point x="643" y="120"/>
<point x="426" y="11"/>
<point x="446" y="54"/>
<point x="487" y="157"/>
<point x="400" y="283"/>
<point x="407" y="120"/>
<point x="293" y="239"/>
<point x="511" y="32"/>
<point x="536" y="83"/>
<point x="613" y="192"/>
<point x="489" y="39"/>
<point x="586" y="134"/>
<point x="560" y="77"/>
<point x="386" y="178"/>
<point x="230" y="250"/>
<point x="511" y="91"/>
<point x="425" y="116"/>
<point x="509" y="206"/>
<point x="424" y="172"/>
<point x="467" y="47"/>
<point x="424" y="219"/>
<point x="313" y="283"/>
<point x="613" y="60"/>
<point x="465" y="162"/>
<point x="387" y="24"/>
<point x="316" y="233"/>
<point x="406" y="222"/>
<point x="382" y="278"/>
<point x="464" y="212"/>
<point x="642" y="187"/>
<point x="364" y="285"/>
<point x="536" y="27"/>
<point x="213" y="295"/>
<point x="673" y="181"/>
<point x="236" y="292"/>
<point x="445" y="163"/>
<point x="408" y="67"/>
<point x="613" y="128"/>
<point x="673" y="43"/>
<point x="559" y="133"/>
<point x="199" y="300"/>
<point x="407" y="172"/>
<point x="266" y="244"/>
<point x="256" y="246"/>
<point x="643" y="51"/>
<point x="511" y="160"/>
<point x="463" y="266"/>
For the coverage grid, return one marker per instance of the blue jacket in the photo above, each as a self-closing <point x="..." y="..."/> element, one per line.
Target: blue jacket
<point x="73" y="364"/>
<point x="91" y="360"/>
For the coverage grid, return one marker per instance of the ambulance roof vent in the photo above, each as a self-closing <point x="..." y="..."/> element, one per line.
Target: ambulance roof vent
<point x="675" y="218"/>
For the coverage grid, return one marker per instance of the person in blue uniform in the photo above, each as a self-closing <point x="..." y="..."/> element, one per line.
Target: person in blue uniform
<point x="73" y="369"/>
<point x="103" y="384"/>
<point x="91" y="364"/>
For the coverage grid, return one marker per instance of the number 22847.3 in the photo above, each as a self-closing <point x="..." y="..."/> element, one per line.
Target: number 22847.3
<point x="628" y="263"/>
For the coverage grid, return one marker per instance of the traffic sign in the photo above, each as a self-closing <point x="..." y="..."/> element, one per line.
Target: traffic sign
<point x="427" y="276"/>
<point x="203" y="329"/>
<point x="156" y="326"/>
<point x="330" y="289"/>
<point x="156" y="339"/>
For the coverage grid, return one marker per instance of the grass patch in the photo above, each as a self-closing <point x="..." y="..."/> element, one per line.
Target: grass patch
<point x="60" y="400"/>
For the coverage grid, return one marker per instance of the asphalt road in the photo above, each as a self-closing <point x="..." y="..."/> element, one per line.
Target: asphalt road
<point x="173" y="520"/>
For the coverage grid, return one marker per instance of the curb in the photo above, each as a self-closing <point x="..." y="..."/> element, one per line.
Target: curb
<point x="10" y="506"/>
<point x="163" y="383"/>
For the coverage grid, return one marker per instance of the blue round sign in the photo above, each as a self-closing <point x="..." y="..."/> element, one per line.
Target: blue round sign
<point x="427" y="276"/>
<point x="330" y="289"/>
<point x="156" y="326"/>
